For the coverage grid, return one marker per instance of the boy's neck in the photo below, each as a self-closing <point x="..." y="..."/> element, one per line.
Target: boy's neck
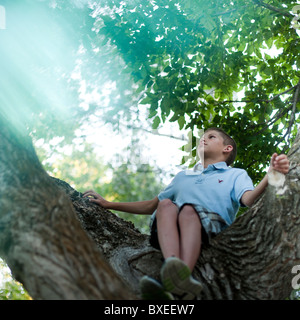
<point x="208" y="161"/>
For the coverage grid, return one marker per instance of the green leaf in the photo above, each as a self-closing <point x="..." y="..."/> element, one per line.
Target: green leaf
<point x="146" y="100"/>
<point x="156" y="122"/>
<point x="181" y="122"/>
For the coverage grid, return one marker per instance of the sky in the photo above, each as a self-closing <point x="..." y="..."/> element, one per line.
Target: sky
<point x="157" y="148"/>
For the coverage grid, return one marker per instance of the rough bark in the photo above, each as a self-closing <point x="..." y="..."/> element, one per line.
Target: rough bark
<point x="41" y="238"/>
<point x="66" y="249"/>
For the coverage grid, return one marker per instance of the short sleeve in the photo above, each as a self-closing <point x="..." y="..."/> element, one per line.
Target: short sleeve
<point x="242" y="184"/>
<point x="169" y="191"/>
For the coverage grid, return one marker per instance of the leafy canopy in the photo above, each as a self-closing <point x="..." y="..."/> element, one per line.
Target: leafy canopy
<point x="232" y="64"/>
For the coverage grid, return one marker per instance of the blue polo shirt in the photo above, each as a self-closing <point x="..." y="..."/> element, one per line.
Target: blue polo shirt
<point x="218" y="188"/>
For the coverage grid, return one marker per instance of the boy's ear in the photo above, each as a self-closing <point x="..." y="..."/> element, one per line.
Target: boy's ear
<point x="228" y="148"/>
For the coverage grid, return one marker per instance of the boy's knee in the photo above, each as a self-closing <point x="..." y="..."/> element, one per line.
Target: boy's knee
<point x="166" y="207"/>
<point x="188" y="212"/>
<point x="166" y="203"/>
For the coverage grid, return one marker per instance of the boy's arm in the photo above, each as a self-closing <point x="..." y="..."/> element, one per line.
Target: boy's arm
<point x="279" y="163"/>
<point x="138" y="207"/>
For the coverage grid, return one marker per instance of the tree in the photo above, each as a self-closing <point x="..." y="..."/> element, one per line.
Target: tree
<point x="186" y="60"/>
<point x="57" y="254"/>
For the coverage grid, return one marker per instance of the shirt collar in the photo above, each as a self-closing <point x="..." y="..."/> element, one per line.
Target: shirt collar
<point x="215" y="166"/>
<point x="220" y="165"/>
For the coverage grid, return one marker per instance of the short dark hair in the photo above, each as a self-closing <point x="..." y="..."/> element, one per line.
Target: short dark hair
<point x="227" y="141"/>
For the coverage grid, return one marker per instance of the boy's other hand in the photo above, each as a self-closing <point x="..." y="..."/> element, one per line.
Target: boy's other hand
<point x="96" y="198"/>
<point x="280" y="163"/>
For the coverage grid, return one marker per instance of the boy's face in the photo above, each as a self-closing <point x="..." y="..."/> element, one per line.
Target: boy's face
<point x="211" y="145"/>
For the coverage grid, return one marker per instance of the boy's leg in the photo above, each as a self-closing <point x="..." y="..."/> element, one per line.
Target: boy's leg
<point x="190" y="235"/>
<point x="176" y="274"/>
<point x="168" y="237"/>
<point x="167" y="228"/>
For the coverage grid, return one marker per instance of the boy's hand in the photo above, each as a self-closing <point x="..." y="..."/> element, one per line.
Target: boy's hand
<point x="280" y="163"/>
<point x="96" y="198"/>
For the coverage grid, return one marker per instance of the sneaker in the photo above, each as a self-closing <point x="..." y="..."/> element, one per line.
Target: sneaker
<point x="151" y="289"/>
<point x="176" y="278"/>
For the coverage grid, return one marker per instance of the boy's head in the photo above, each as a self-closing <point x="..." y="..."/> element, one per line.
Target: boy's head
<point x="227" y="141"/>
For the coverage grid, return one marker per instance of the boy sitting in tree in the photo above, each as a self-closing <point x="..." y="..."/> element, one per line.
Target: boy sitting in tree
<point x="194" y="207"/>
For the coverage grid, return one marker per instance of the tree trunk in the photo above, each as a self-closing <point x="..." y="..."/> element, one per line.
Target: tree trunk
<point x="41" y="238"/>
<point x="82" y="251"/>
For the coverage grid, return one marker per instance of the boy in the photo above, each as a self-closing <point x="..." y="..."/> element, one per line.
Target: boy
<point x="195" y="206"/>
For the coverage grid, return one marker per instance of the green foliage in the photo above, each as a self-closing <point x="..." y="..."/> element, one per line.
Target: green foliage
<point x="208" y="63"/>
<point x="13" y="290"/>
<point x="10" y="289"/>
<point x="135" y="182"/>
<point x="81" y="168"/>
<point x="232" y="64"/>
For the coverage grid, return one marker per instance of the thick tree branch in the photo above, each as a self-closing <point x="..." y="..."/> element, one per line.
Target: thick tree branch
<point x="41" y="238"/>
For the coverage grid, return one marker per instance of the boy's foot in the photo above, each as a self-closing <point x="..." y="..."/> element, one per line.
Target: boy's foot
<point x="177" y="279"/>
<point x="151" y="289"/>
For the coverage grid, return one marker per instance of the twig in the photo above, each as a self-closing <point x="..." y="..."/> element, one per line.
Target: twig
<point x="280" y="94"/>
<point x="272" y="8"/>
<point x="260" y="100"/>
<point x="155" y="132"/>
<point x="228" y="12"/>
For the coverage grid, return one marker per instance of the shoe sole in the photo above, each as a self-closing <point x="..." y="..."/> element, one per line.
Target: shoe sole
<point x="153" y="290"/>
<point x="176" y="278"/>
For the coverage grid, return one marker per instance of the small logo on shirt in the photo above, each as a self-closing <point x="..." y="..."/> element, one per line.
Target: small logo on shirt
<point x="220" y="180"/>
